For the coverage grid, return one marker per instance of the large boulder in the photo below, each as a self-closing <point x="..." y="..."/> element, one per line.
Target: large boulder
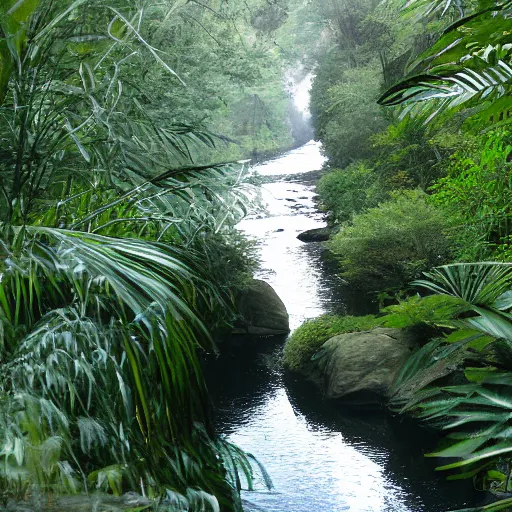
<point x="360" y="368"/>
<point x="262" y="311"/>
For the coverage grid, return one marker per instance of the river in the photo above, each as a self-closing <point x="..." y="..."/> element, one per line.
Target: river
<point x="321" y="458"/>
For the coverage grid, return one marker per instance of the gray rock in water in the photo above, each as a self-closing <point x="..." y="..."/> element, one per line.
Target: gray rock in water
<point x="315" y="235"/>
<point x="360" y="368"/>
<point x="263" y="312"/>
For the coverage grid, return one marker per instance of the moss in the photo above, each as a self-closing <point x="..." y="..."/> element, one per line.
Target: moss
<point x="310" y="336"/>
<point x="431" y="310"/>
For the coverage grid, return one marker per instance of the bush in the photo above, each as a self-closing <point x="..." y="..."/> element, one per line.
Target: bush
<point x="478" y="193"/>
<point x="345" y="192"/>
<point x="311" y="335"/>
<point x="434" y="310"/>
<point x="386" y="247"/>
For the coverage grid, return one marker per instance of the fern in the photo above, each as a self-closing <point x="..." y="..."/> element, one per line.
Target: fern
<point x="466" y="88"/>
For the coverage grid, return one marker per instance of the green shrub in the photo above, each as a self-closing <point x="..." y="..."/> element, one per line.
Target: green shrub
<point x="311" y="335"/>
<point x="345" y="192"/>
<point x="478" y="193"/>
<point x="387" y="247"/>
<point x="431" y="310"/>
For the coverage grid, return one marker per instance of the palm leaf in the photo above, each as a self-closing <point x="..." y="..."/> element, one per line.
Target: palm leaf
<point x="468" y="67"/>
<point x="475" y="283"/>
<point x="492" y="507"/>
<point x="429" y="7"/>
<point x="464" y="88"/>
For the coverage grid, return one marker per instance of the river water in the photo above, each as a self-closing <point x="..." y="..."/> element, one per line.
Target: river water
<point x="321" y="458"/>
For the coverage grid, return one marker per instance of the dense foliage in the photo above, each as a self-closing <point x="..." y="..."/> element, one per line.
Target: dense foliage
<point x="349" y="191"/>
<point x="476" y="193"/>
<point x="118" y="249"/>
<point x="445" y="68"/>
<point x="388" y="246"/>
<point x="465" y="171"/>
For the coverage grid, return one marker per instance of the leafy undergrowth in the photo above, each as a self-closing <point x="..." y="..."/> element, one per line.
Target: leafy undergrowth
<point x="85" y="503"/>
<point x="473" y="409"/>
<point x="385" y="248"/>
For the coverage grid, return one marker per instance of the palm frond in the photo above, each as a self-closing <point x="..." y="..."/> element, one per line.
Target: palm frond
<point x="476" y="283"/>
<point x="467" y="68"/>
<point x="101" y="383"/>
<point x="432" y="95"/>
<point x="426" y="8"/>
<point x="478" y="417"/>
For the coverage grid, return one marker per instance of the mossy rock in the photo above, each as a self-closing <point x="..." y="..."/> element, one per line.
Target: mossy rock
<point x="312" y="334"/>
<point x="360" y="368"/>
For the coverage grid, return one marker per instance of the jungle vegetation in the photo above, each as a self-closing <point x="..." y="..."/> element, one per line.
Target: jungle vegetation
<point x="118" y="253"/>
<point x="123" y="130"/>
<point x="411" y="101"/>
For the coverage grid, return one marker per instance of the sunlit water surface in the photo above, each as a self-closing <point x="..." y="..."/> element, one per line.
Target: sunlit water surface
<point x="321" y="458"/>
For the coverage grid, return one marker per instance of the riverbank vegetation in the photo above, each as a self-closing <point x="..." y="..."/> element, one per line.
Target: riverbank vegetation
<point x="411" y="101"/>
<point x="123" y="126"/>
<point x="450" y="139"/>
<point x="119" y="258"/>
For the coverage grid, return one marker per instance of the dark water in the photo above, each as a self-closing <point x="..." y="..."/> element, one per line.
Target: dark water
<point x="321" y="458"/>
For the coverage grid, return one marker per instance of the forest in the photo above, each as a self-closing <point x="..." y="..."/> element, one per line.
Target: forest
<point x="128" y="134"/>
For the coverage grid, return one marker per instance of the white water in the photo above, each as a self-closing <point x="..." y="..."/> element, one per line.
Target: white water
<point x="289" y="265"/>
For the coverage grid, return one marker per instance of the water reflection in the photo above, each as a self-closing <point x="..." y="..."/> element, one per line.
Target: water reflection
<point x="314" y="468"/>
<point x="321" y="458"/>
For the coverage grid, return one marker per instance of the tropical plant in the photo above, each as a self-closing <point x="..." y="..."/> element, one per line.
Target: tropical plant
<point x="432" y="310"/>
<point x="102" y="287"/>
<point x="468" y="68"/>
<point x="477" y="193"/>
<point x="409" y="155"/>
<point x="475" y="414"/>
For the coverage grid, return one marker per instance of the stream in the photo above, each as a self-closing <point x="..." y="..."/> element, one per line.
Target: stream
<point x="321" y="458"/>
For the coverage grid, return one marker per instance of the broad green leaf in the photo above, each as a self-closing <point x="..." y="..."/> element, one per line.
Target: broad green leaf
<point x="491" y="452"/>
<point x="460" y="449"/>
<point x="479" y="375"/>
